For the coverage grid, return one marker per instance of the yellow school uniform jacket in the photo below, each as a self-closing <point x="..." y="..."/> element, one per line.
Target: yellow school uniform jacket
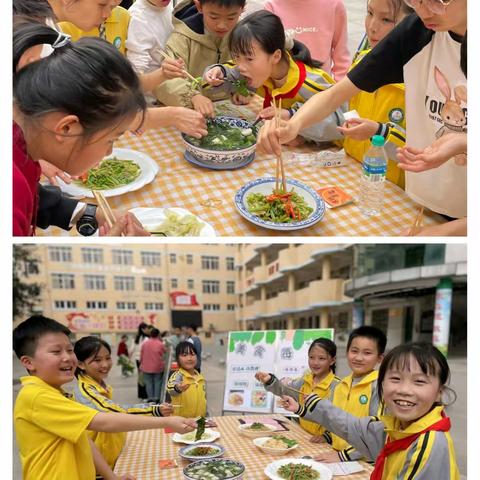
<point x="116" y="29"/>
<point x="386" y="106"/>
<point x="50" y="429"/>
<point x="358" y="398"/>
<point x="193" y="401"/>
<point x="323" y="389"/>
<point x="303" y="82"/>
<point x="90" y="393"/>
<point x="431" y="456"/>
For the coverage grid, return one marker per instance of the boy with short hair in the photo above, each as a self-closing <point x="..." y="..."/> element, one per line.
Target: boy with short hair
<point x="357" y="393"/>
<point x="200" y="38"/>
<point x="50" y="426"/>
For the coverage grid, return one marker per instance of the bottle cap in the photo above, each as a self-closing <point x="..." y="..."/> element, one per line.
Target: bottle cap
<point x="378" y="141"/>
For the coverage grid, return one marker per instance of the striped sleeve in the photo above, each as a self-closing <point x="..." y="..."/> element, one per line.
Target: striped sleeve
<point x="176" y="378"/>
<point x="394" y="136"/>
<point x="276" y="387"/>
<point x="94" y="399"/>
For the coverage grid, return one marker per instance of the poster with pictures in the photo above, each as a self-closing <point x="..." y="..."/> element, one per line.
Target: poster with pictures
<point x="283" y="352"/>
<point x="248" y="353"/>
<point x="292" y="355"/>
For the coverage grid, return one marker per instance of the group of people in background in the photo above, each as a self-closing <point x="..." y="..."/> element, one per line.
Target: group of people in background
<point x="406" y="82"/>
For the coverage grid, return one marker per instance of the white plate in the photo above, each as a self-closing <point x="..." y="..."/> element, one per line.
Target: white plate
<point x="266" y="186"/>
<point x="209" y="436"/>
<point x="152" y="217"/>
<point x="244" y="430"/>
<point x="272" y="468"/>
<point x="147" y="164"/>
<point x="259" y="442"/>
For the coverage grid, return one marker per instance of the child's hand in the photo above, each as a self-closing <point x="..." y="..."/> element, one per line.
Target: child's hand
<point x="173" y="68"/>
<point x="317" y="439"/>
<point x="180" y="424"/>
<point x="328" y="457"/>
<point x="166" y="409"/>
<point x="288" y="403"/>
<point x="189" y="121"/>
<point x="51" y="172"/>
<point x="126" y="225"/>
<point x="214" y="76"/>
<point x="183" y="386"/>
<point x="238" y="99"/>
<point x="359" y="128"/>
<point x="263" y="377"/>
<point x="203" y="105"/>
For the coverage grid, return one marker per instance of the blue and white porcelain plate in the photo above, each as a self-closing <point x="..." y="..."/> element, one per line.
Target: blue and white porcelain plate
<point x="266" y="186"/>
<point x="184" y="452"/>
<point x="219" y="166"/>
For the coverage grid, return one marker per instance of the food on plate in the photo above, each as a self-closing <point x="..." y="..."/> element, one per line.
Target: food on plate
<point x="202" y="451"/>
<point x="298" y="471"/>
<point x="235" y="398"/>
<point x="191" y="437"/>
<point x="214" y="469"/>
<point x="279" y="206"/>
<point x="279" y="442"/>
<point x="175" y="225"/>
<point x="110" y="173"/>
<point x="222" y="136"/>
<point x="257" y="427"/>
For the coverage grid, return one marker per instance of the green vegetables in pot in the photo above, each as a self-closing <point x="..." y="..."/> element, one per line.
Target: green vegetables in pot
<point x="221" y="136"/>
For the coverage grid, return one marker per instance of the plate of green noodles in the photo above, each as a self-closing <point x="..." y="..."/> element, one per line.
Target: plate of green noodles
<point x="300" y="206"/>
<point x="123" y="171"/>
<point x="297" y="469"/>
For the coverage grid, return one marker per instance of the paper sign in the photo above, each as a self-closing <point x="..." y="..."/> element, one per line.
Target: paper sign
<point x="344" y="468"/>
<point x="334" y="196"/>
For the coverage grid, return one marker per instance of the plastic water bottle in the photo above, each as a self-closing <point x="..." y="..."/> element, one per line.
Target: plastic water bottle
<point x="372" y="180"/>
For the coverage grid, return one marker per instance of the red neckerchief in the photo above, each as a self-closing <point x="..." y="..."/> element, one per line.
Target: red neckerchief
<point x="442" y="425"/>
<point x="267" y="99"/>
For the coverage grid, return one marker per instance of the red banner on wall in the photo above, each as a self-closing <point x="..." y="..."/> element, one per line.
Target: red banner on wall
<point x="183" y="299"/>
<point x="85" y="322"/>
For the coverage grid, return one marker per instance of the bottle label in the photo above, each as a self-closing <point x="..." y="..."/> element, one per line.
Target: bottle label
<point x="375" y="173"/>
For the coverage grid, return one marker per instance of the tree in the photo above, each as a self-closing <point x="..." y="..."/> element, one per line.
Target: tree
<point x="25" y="294"/>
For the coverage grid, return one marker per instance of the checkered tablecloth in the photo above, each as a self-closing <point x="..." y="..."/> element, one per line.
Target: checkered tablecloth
<point x="209" y="193"/>
<point x="144" y="449"/>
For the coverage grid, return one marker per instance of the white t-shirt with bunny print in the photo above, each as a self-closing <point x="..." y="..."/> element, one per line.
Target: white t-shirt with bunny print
<point x="436" y="103"/>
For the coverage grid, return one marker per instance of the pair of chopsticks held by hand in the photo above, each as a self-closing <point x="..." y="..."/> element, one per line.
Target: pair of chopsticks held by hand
<point x="105" y="208"/>
<point x="279" y="167"/>
<point x="167" y="57"/>
<point x="417" y="223"/>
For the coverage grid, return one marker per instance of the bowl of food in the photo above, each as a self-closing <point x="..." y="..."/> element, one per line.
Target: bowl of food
<point x="256" y="429"/>
<point x="276" y="444"/>
<point x="300" y="206"/>
<point x="230" y="144"/>
<point x="214" y="469"/>
<point x="201" y="451"/>
<point x="297" y="469"/>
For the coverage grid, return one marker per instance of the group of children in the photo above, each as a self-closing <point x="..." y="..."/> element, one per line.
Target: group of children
<point x="204" y="38"/>
<point x="393" y="417"/>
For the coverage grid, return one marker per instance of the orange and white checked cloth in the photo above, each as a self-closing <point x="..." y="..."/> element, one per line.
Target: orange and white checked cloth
<point x="209" y="194"/>
<point x="144" y="449"/>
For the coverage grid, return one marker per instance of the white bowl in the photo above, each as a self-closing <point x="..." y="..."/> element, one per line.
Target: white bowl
<point x="244" y="430"/>
<point x="272" y="468"/>
<point x="266" y="186"/>
<point x="259" y="442"/>
<point x="224" y="158"/>
<point x="188" y="438"/>
<point x="194" y="465"/>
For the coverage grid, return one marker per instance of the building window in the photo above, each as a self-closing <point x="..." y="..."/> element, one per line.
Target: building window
<point x="150" y="259"/>
<point x="173" y="258"/>
<point x="210" y="286"/>
<point x="92" y="255"/>
<point x="63" y="280"/>
<point x="174" y="283"/>
<point x="126" y="305"/>
<point x="94" y="282"/>
<point x="189" y="259"/>
<point x="230" y="287"/>
<point x="231" y="307"/>
<point x="60" y="254"/>
<point x="230" y="263"/>
<point x="153" y="306"/>
<point x="152" y="284"/>
<point x="95" y="305"/>
<point x="190" y="284"/>
<point x="122" y="257"/>
<point x="211" y="307"/>
<point x="380" y="319"/>
<point x="124" y="283"/>
<point x="210" y="263"/>
<point x="64" y="304"/>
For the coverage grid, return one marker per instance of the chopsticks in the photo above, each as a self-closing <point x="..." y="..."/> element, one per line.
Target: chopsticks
<point x="167" y="57"/>
<point x="417" y="223"/>
<point x="279" y="167"/>
<point x="105" y="207"/>
<point x="293" y="389"/>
